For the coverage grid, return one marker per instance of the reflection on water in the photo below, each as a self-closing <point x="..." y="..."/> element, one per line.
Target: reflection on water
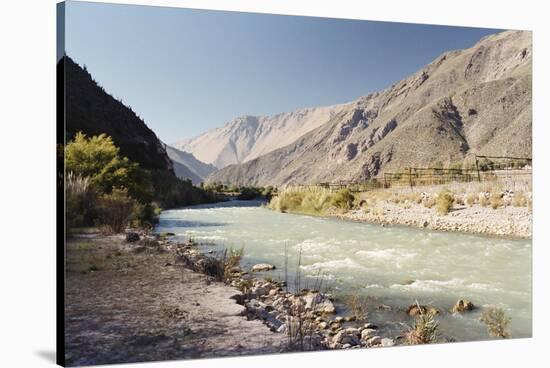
<point x="393" y="265"/>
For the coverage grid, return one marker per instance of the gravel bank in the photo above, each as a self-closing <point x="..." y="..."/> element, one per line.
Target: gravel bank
<point x="507" y="221"/>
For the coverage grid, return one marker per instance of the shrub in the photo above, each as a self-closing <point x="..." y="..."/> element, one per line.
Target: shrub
<point x="248" y="193"/>
<point x="496" y="200"/>
<point x="497" y="322"/>
<point x="343" y="199"/>
<point x="145" y="215"/>
<point x="357" y="305"/>
<point x="424" y="331"/>
<point x="483" y="201"/>
<point x="428" y="202"/>
<point x="519" y="200"/>
<point x="444" y="202"/>
<point x="97" y="158"/>
<point x="81" y="200"/>
<point x="115" y="210"/>
<point x="471" y="199"/>
<point x="312" y="201"/>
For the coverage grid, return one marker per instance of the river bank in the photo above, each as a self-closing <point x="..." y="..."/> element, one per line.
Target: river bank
<point x="501" y="208"/>
<point x="130" y="302"/>
<point x="513" y="222"/>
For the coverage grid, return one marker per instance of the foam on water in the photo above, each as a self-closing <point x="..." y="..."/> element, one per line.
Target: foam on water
<point x="396" y="265"/>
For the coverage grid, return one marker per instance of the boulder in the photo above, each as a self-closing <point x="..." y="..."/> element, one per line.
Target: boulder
<point x="347" y="336"/>
<point x="132" y="237"/>
<point x="319" y="303"/>
<point x="387" y="342"/>
<point x="418" y="309"/>
<point x="462" y="305"/>
<point x="261" y="267"/>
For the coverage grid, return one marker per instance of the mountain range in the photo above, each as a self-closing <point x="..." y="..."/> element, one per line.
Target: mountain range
<point x="465" y="102"/>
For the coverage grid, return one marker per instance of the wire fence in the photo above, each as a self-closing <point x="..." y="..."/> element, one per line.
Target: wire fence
<point x="486" y="168"/>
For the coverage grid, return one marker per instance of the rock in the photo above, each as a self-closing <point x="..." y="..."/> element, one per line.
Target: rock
<point x="261" y="267"/>
<point x="387" y="342"/>
<point x="259" y="291"/>
<point x="347" y="336"/>
<point x="417" y="309"/>
<point x="371" y="326"/>
<point x="339" y="319"/>
<point x="319" y="302"/>
<point x="375" y="340"/>
<point x="272" y="292"/>
<point x="462" y="305"/>
<point x="367" y="333"/>
<point x="132" y="237"/>
<point x="323" y="325"/>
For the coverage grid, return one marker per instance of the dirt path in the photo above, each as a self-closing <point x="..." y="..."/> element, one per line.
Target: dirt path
<point x="128" y="303"/>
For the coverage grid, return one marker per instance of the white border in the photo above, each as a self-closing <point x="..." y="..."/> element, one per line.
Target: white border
<point x="28" y="180"/>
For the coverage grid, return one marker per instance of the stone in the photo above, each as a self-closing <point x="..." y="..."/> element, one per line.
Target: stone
<point x="371" y="326"/>
<point x="367" y="333"/>
<point x="374" y="340"/>
<point x="319" y="302"/>
<point x="462" y="305"/>
<point x="417" y="309"/>
<point x="261" y="267"/>
<point x="323" y="325"/>
<point x="387" y="342"/>
<point x="132" y="237"/>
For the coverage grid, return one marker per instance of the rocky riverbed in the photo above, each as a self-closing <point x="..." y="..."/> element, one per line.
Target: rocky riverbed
<point x="506" y="221"/>
<point x="306" y="318"/>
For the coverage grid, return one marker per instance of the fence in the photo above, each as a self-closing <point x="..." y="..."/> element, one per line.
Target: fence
<point x="486" y="168"/>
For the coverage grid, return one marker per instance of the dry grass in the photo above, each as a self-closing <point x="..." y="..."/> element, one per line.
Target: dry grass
<point x="520" y="200"/>
<point x="424" y="331"/>
<point x="357" y="304"/>
<point x="471" y="199"/>
<point x="312" y="201"/>
<point x="497" y="322"/>
<point x="444" y="202"/>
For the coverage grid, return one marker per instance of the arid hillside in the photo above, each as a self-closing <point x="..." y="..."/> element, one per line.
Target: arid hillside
<point x="465" y="102"/>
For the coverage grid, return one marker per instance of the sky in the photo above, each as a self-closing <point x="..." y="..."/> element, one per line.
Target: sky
<point x="189" y="71"/>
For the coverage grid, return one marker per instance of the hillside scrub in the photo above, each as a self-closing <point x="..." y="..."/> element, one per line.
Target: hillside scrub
<point x="312" y="201"/>
<point x="104" y="189"/>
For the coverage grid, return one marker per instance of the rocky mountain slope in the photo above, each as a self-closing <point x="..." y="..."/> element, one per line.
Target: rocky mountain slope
<point x="465" y="102"/>
<point x="248" y="137"/>
<point x="186" y="166"/>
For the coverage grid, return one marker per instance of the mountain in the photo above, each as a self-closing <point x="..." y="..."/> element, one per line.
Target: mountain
<point x="186" y="166"/>
<point x="248" y="137"/>
<point x="86" y="107"/>
<point x="93" y="111"/>
<point x="465" y="102"/>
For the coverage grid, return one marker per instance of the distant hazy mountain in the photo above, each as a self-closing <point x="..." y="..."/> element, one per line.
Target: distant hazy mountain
<point x="187" y="166"/>
<point x="476" y="100"/>
<point x="248" y="137"/>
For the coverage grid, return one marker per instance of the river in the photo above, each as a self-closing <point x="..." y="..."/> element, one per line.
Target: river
<point x="393" y="266"/>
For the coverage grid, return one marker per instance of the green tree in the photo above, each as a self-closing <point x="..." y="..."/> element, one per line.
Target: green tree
<point x="98" y="159"/>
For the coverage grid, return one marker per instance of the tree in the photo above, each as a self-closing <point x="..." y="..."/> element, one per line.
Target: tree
<point x="97" y="158"/>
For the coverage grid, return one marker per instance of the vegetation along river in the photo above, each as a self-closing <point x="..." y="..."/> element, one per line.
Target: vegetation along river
<point x="393" y="266"/>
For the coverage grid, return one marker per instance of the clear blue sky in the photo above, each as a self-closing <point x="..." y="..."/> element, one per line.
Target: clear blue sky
<point x="188" y="71"/>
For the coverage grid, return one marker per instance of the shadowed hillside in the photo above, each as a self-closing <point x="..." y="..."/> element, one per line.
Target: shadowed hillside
<point x="91" y="110"/>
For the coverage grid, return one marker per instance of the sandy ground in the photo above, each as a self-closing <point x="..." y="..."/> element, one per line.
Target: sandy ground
<point x="130" y="303"/>
<point x="507" y="221"/>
